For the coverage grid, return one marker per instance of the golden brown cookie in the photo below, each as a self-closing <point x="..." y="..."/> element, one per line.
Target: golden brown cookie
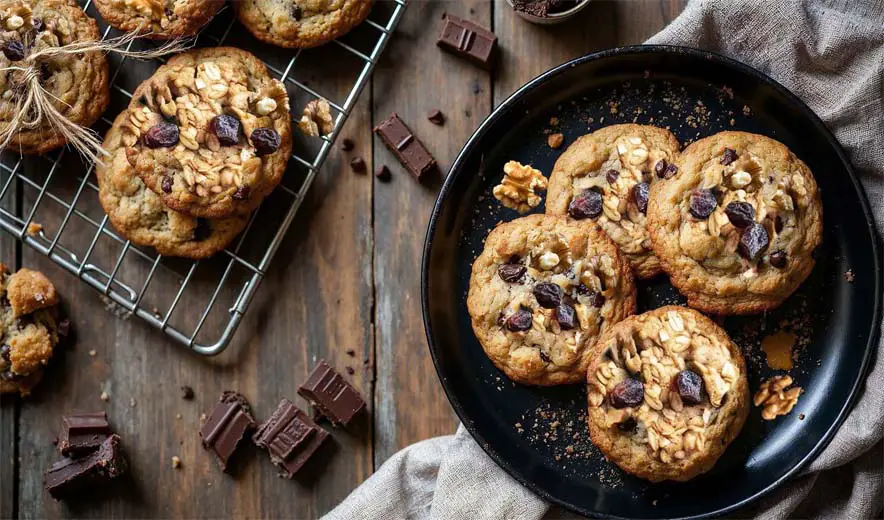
<point x="301" y="23"/>
<point x="76" y="84"/>
<point x="159" y="19"/>
<point x="605" y="176"/>
<point x="667" y="394"/>
<point x="737" y="226"/>
<point x="542" y="291"/>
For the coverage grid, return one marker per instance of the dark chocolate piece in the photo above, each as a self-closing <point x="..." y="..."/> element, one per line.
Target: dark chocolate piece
<point x="82" y="433"/>
<point x="290" y="437"/>
<point x="436" y="117"/>
<point x="405" y="146"/>
<point x="468" y="40"/>
<point x="229" y="423"/>
<point x="382" y="173"/>
<point x="70" y="476"/>
<point x="328" y="391"/>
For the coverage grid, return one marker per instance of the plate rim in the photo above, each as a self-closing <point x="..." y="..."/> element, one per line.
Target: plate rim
<point x="821" y="127"/>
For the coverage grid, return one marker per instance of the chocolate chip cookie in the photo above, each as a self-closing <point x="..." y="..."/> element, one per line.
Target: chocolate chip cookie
<point x="76" y="84"/>
<point x="667" y="394"/>
<point x="736" y="227"/>
<point x="301" y="23"/>
<point x="140" y="215"/>
<point x="606" y="176"/>
<point x="543" y="289"/>
<point x="209" y="132"/>
<point x="159" y="19"/>
<point x="28" y="327"/>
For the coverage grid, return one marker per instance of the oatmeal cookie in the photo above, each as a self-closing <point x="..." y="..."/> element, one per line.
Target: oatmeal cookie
<point x="667" y="394"/>
<point x="209" y="132"/>
<point x="159" y="19"/>
<point x="736" y="227"/>
<point x="76" y="84"/>
<point x="301" y="23"/>
<point x="542" y="291"/>
<point x="605" y="176"/>
<point x="140" y="215"/>
<point x="28" y="326"/>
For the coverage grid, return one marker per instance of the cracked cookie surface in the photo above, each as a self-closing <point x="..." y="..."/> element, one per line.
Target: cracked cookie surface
<point x="301" y="23"/>
<point x="605" y="176"/>
<point x="542" y="291"/>
<point x="667" y="393"/>
<point x="159" y="19"/>
<point x="209" y="132"/>
<point x="736" y="227"/>
<point x="77" y="84"/>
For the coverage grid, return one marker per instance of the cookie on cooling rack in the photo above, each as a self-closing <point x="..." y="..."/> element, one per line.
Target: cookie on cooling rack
<point x="28" y="327"/>
<point x="301" y="23"/>
<point x="667" y="394"/>
<point x="159" y="19"/>
<point x="543" y="289"/>
<point x="140" y="215"/>
<point x="605" y="176"/>
<point x="209" y="132"/>
<point x="737" y="226"/>
<point x="76" y="84"/>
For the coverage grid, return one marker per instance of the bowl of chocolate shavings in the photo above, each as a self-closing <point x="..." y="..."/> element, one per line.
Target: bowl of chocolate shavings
<point x="547" y="12"/>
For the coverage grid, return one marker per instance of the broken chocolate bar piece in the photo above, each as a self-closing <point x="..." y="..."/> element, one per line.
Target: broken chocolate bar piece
<point x="290" y="437"/>
<point x="331" y="394"/>
<point x="229" y="423"/>
<point x="468" y="40"/>
<point x="82" y="433"/>
<point x="405" y="146"/>
<point x="70" y="476"/>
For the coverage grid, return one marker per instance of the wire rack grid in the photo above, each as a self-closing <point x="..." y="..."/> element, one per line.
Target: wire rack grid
<point x="128" y="295"/>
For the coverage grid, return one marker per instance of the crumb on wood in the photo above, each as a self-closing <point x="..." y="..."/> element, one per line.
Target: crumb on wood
<point x="104" y="396"/>
<point x="93" y="353"/>
<point x="132" y="402"/>
<point x="176" y="462"/>
<point x="178" y="416"/>
<point x="34" y="228"/>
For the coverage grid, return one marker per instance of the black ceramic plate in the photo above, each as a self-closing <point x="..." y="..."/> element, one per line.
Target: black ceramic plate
<point x="538" y="434"/>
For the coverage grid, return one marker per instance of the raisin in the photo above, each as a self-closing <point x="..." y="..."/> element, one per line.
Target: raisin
<point x="512" y="273"/>
<point x="167" y="184"/>
<point x="161" y="135"/>
<point x="690" y="387"/>
<point x="778" y="259"/>
<point x="226" y="128"/>
<point x="670" y="172"/>
<point x="660" y="168"/>
<point x="628" y="393"/>
<point x="14" y="50"/>
<point x="703" y="203"/>
<point x="566" y="316"/>
<point x="753" y="242"/>
<point x="729" y="156"/>
<point x="520" y="320"/>
<point x="588" y="204"/>
<point x="202" y="230"/>
<point x="549" y="295"/>
<point x="640" y="193"/>
<point x="611" y="176"/>
<point x="265" y="141"/>
<point x="741" y="214"/>
<point x="241" y="193"/>
<point x="627" y="425"/>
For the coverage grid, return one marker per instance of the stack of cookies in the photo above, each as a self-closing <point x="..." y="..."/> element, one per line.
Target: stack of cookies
<point x="733" y="219"/>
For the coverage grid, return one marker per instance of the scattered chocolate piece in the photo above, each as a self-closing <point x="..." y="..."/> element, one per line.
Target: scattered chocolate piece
<point x="328" y="391"/>
<point x="628" y="393"/>
<point x="382" y="173"/>
<point x="351" y="352"/>
<point x="226" y="426"/>
<point x="357" y="164"/>
<point x="82" y="433"/>
<point x="290" y="437"/>
<point x="468" y="40"/>
<point x="64" y="329"/>
<point x="436" y="117"/>
<point x="405" y="146"/>
<point x="555" y="141"/>
<point x="347" y="144"/>
<point x="350" y="371"/>
<point x="70" y="476"/>
<point x="186" y="392"/>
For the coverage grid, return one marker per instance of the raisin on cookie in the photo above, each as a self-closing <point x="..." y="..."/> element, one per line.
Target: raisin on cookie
<point x="209" y="132"/>
<point x="28" y="326"/>
<point x="543" y="289"/>
<point x="736" y="227"/>
<point x="667" y="394"/>
<point x="159" y="19"/>
<point x="76" y="84"/>
<point x="140" y="215"/>
<point x="301" y="23"/>
<point x="605" y="176"/>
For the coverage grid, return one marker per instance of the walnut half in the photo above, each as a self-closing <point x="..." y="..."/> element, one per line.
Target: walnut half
<point x="316" y="119"/>
<point x="519" y="187"/>
<point x="775" y="399"/>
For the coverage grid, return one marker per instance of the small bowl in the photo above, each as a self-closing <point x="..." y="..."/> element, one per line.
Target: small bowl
<point x="552" y="18"/>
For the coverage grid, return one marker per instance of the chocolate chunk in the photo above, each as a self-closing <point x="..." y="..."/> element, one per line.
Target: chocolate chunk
<point x="753" y="242"/>
<point x="588" y="204"/>
<point x="70" y="476"/>
<point x="520" y="320"/>
<point x="670" y="172"/>
<point x="628" y="425"/>
<point x="265" y="140"/>
<point x="357" y="164"/>
<point x="660" y="167"/>
<point x="512" y="273"/>
<point x="297" y="12"/>
<point x="543" y="355"/>
<point x="161" y="135"/>
<point x="778" y="259"/>
<point x="703" y="203"/>
<point x="227" y="129"/>
<point x="611" y="176"/>
<point x="82" y="433"/>
<point x="741" y="214"/>
<point x="779" y="224"/>
<point x="382" y="173"/>
<point x="241" y="193"/>
<point x="333" y="395"/>
<point x="468" y="40"/>
<point x="566" y="316"/>
<point x="628" y="393"/>
<point x="14" y="50"/>
<point x="290" y="437"/>
<point x="186" y="392"/>
<point x="167" y="184"/>
<point x="548" y="295"/>
<point x="202" y="230"/>
<point x="347" y="144"/>
<point x="729" y="156"/>
<point x="640" y="193"/>
<point x="405" y="146"/>
<point x="436" y="117"/>
<point x="690" y="387"/>
<point x="228" y="424"/>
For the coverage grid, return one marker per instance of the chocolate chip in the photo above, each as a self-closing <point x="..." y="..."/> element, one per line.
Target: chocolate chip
<point x="548" y="295"/>
<point x="14" y="50"/>
<point x="753" y="242"/>
<point x="226" y="128"/>
<point x="584" y="290"/>
<point x="741" y="214"/>
<point x="512" y="273"/>
<point x="265" y="141"/>
<point x="566" y="316"/>
<point x="167" y="184"/>
<point x="357" y="164"/>
<point x="347" y="144"/>
<point x="640" y="193"/>
<point x="544" y="357"/>
<point x="628" y="393"/>
<point x="241" y="193"/>
<point x="729" y="156"/>
<point x="143" y="100"/>
<point x="779" y="224"/>
<point x="588" y="204"/>
<point x="383" y="173"/>
<point x="297" y="13"/>
<point x="627" y="425"/>
<point x="660" y="168"/>
<point x="202" y="230"/>
<point x="703" y="203"/>
<point x="186" y="392"/>
<point x="520" y="321"/>
<point x="436" y="117"/>
<point x="690" y="387"/>
<point x="161" y="135"/>
<point x="611" y="176"/>
<point x="778" y="259"/>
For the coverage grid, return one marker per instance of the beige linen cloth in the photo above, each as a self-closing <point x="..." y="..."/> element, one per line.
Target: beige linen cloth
<point x="831" y="54"/>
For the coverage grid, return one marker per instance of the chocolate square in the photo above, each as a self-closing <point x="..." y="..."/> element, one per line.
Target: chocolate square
<point x="82" y="433"/>
<point x="331" y="394"/>
<point x="405" y="146"/>
<point x="467" y="40"/>
<point x="290" y="437"/>
<point x="70" y="476"/>
<point x="228" y="424"/>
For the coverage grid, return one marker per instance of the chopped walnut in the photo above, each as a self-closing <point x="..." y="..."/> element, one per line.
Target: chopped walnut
<point x="317" y="119"/>
<point x="775" y="399"/>
<point x="518" y="189"/>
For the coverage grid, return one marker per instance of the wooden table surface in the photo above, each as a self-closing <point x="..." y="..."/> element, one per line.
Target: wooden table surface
<point x="346" y="278"/>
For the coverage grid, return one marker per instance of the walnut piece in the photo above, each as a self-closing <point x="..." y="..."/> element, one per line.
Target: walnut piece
<point x="316" y="119"/>
<point x="775" y="399"/>
<point x="519" y="187"/>
<point x="555" y="141"/>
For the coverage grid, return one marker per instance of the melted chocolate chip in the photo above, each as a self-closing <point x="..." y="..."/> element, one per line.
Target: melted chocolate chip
<point x="690" y="387"/>
<point x="297" y="13"/>
<point x="161" y="135"/>
<point x="753" y="242"/>
<point x="628" y="393"/>
<point x="543" y="357"/>
<point x="588" y="204"/>
<point x="779" y="224"/>
<point x="512" y="273"/>
<point x="741" y="214"/>
<point x="778" y="259"/>
<point x="729" y="156"/>
<point x="702" y="203"/>
<point x="520" y="320"/>
<point x="549" y="295"/>
<point x="598" y="300"/>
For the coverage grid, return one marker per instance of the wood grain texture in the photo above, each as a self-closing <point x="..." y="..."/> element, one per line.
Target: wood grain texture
<point x="8" y="404"/>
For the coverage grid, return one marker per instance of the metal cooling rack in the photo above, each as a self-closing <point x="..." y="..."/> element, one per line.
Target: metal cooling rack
<point x="232" y="275"/>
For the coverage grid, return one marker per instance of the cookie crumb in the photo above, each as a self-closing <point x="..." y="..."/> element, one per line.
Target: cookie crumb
<point x="176" y="462"/>
<point x="555" y="141"/>
<point x="132" y="402"/>
<point x="849" y="276"/>
<point x="178" y="416"/>
<point x="801" y="416"/>
<point x="104" y="396"/>
<point x="93" y="353"/>
<point x="34" y="228"/>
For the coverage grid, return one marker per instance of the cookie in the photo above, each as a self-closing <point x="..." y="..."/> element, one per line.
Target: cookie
<point x="28" y="327"/>
<point x="209" y="132"/>
<point x="667" y="394"/>
<point x="159" y="20"/>
<point x="76" y="84"/>
<point x="140" y="215"/>
<point x="301" y="23"/>
<point x="605" y="176"/>
<point x="737" y="226"/>
<point x="543" y="289"/>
